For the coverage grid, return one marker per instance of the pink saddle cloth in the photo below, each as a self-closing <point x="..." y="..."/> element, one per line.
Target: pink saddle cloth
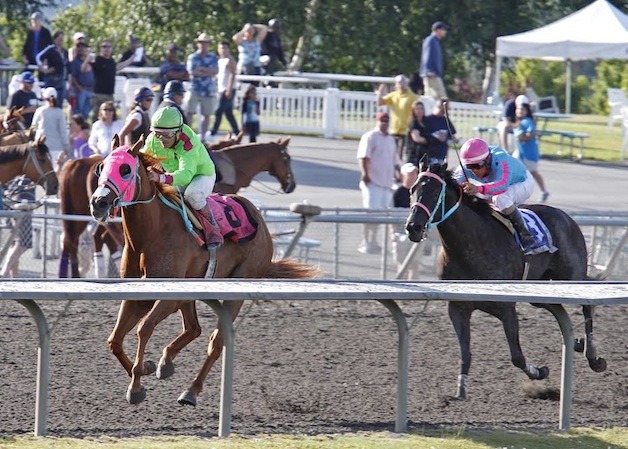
<point x="232" y="218"/>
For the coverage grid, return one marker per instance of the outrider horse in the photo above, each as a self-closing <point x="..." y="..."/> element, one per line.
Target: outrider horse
<point x="476" y="246"/>
<point x="239" y="164"/>
<point x="158" y="245"/>
<point x="31" y="159"/>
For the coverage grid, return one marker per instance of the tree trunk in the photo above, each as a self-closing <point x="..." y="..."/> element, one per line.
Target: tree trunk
<point x="304" y="41"/>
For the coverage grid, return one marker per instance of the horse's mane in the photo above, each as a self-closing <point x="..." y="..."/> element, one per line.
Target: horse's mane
<point x="9" y="153"/>
<point x="478" y="205"/>
<point x="155" y="162"/>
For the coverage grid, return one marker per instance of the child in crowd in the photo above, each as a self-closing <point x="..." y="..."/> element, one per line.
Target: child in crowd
<point x="79" y="135"/>
<point x="250" y="113"/>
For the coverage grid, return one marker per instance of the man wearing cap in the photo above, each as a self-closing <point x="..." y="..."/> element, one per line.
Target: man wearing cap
<point x="508" y="119"/>
<point x="431" y="69"/>
<point x="378" y="161"/>
<point x="172" y="69"/>
<point x="25" y="98"/>
<point x="77" y="38"/>
<point x="37" y="38"/>
<point x="81" y="81"/>
<point x="202" y="65"/>
<point x="400" y="103"/>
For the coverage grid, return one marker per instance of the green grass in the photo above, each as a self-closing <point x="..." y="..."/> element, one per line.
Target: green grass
<point x="602" y="145"/>
<point x="590" y="438"/>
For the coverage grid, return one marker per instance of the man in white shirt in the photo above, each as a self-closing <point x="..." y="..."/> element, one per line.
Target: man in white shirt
<point x="379" y="161"/>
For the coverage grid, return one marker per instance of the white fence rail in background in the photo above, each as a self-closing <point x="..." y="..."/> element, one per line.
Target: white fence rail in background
<point x="216" y="291"/>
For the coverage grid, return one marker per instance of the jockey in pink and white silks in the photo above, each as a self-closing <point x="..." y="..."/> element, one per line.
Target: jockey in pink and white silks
<point x="493" y="173"/>
<point x="185" y="160"/>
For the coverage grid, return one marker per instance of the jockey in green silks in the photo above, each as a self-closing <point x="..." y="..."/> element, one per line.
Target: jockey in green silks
<point x="186" y="162"/>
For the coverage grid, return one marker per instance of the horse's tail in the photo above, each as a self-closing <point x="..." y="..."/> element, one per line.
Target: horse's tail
<point x="292" y="269"/>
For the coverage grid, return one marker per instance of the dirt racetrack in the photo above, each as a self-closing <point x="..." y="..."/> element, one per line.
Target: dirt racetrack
<point x="307" y="367"/>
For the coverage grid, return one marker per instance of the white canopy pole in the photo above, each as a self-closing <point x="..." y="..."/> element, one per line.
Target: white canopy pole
<point x="498" y="70"/>
<point x="568" y="88"/>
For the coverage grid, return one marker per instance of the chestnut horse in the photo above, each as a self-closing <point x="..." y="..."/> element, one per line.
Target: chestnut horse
<point x="12" y="120"/>
<point x="77" y="182"/>
<point x="31" y="159"/>
<point x="158" y="245"/>
<point x="239" y="164"/>
<point x="476" y="246"/>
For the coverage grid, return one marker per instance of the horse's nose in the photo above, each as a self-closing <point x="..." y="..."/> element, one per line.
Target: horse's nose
<point x="413" y="231"/>
<point x="289" y="188"/>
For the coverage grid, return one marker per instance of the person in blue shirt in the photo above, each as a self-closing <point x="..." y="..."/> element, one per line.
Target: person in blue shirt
<point x="496" y="175"/>
<point x="250" y="113"/>
<point x="432" y="67"/>
<point x="527" y="143"/>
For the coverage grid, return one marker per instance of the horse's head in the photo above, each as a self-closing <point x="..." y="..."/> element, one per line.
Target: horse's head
<point x="281" y="168"/>
<point x="13" y="120"/>
<point x="426" y="195"/>
<point x="117" y="180"/>
<point x="38" y="166"/>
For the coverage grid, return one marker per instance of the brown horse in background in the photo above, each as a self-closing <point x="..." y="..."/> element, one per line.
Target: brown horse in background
<point x="158" y="245"/>
<point x="239" y="164"/>
<point x="31" y="159"/>
<point x="13" y="120"/>
<point x="77" y="182"/>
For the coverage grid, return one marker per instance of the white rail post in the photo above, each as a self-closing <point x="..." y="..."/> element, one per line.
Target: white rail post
<point x="330" y="112"/>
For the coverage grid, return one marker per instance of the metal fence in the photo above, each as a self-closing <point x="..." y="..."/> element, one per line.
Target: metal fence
<point x="330" y="240"/>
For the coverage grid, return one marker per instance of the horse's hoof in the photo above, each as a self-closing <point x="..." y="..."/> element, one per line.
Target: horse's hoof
<point x="543" y="373"/>
<point x="187" y="398"/>
<point x="165" y="370"/>
<point x="578" y="345"/>
<point x="598" y="365"/>
<point x="135" y="397"/>
<point x="149" y="368"/>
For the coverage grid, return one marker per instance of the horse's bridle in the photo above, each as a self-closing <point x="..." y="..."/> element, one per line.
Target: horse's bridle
<point x="444" y="213"/>
<point x="31" y="157"/>
<point x="121" y="191"/>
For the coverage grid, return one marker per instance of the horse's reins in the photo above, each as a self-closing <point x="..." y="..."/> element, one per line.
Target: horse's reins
<point x="31" y="157"/>
<point x="445" y="214"/>
<point x="448" y="121"/>
<point x="138" y="193"/>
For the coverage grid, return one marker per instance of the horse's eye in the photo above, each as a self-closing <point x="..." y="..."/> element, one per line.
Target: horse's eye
<point x="125" y="171"/>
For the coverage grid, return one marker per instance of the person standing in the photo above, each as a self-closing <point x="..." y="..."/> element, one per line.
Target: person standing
<point x="226" y="83"/>
<point x="25" y="98"/>
<point x="138" y="121"/>
<point x="105" y="69"/>
<point x="250" y="113"/>
<point x="271" y="47"/>
<point x="79" y="135"/>
<point x="82" y="81"/>
<point x="432" y="66"/>
<point x="527" y="143"/>
<point x="507" y="121"/>
<point x="203" y="67"/>
<point x="136" y="52"/>
<point x="37" y="38"/>
<point x="440" y="132"/>
<point x="53" y="65"/>
<point x="400" y="103"/>
<point x="172" y="69"/>
<point x="49" y="121"/>
<point x="418" y="135"/>
<point x="249" y="41"/>
<point x="378" y="160"/>
<point x="104" y="129"/>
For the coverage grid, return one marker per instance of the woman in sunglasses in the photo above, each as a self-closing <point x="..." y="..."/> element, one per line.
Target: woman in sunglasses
<point x="186" y="163"/>
<point x="502" y="179"/>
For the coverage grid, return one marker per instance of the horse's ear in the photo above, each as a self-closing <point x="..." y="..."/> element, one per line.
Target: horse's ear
<point x="115" y="142"/>
<point x="40" y="140"/>
<point x="286" y="142"/>
<point x="423" y="166"/>
<point x="137" y="146"/>
<point x="30" y="133"/>
<point x="239" y="136"/>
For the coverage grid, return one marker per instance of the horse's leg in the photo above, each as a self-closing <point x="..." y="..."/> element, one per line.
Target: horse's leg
<point x="99" y="260"/>
<point x="113" y="245"/>
<point x="191" y="330"/>
<point x="597" y="364"/>
<point x="507" y="314"/>
<point x="161" y="310"/>
<point x="460" y="316"/>
<point x="130" y="313"/>
<point x="214" y="350"/>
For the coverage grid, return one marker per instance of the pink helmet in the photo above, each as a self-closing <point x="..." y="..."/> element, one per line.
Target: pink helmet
<point x="473" y="151"/>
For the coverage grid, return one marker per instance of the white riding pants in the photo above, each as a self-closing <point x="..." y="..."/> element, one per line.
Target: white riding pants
<point x="198" y="190"/>
<point x="515" y="194"/>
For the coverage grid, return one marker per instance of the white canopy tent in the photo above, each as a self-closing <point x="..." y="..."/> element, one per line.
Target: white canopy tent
<point x="598" y="31"/>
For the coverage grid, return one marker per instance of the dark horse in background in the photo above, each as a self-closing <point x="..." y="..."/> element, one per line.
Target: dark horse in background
<point x="475" y="246"/>
<point x="158" y="245"/>
<point x="31" y="159"/>
<point x="238" y="164"/>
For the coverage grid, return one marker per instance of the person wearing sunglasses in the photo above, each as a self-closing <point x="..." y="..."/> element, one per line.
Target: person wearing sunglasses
<point x="138" y="121"/>
<point x="186" y="163"/>
<point x="502" y="179"/>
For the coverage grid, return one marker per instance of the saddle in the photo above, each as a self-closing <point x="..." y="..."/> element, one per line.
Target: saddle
<point x="231" y="216"/>
<point x="534" y="224"/>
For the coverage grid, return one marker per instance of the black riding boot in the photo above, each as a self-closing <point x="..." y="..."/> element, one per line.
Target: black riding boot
<point x="529" y="243"/>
